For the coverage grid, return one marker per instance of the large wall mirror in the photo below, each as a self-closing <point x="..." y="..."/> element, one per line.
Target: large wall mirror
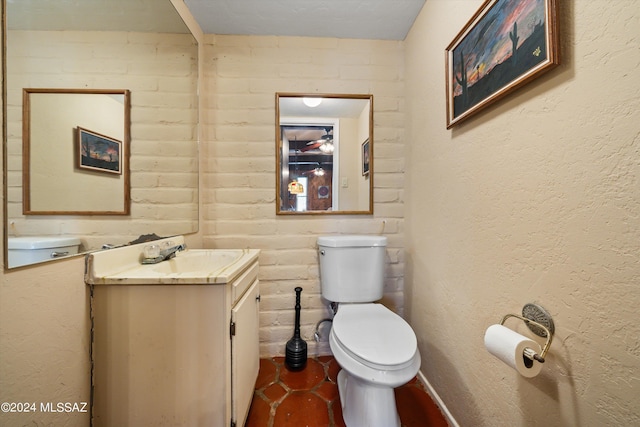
<point x="324" y="154"/>
<point x="128" y="72"/>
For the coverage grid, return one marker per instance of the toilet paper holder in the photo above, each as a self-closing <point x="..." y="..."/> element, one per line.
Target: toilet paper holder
<point x="540" y="323"/>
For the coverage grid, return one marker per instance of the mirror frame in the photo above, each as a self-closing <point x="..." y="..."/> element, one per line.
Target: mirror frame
<point x="279" y="183"/>
<point x="26" y="150"/>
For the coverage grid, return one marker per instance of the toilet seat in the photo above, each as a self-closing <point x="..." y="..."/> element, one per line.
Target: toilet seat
<point x="375" y="336"/>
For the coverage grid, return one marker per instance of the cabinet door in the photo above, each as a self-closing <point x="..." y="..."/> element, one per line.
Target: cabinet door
<point x="245" y="353"/>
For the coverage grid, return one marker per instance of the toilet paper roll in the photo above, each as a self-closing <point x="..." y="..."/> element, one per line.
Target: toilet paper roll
<point x="508" y="346"/>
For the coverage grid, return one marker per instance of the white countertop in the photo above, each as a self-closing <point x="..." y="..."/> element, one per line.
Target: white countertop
<point x="122" y="266"/>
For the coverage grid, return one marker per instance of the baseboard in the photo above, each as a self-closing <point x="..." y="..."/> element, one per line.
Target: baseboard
<point x="436" y="398"/>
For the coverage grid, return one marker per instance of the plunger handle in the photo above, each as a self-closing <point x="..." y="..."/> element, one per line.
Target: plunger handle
<point x="296" y="331"/>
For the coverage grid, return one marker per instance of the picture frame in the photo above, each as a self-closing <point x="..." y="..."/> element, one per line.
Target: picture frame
<point x="366" y="155"/>
<point x="504" y="46"/>
<point x="99" y="153"/>
<point x="324" y="192"/>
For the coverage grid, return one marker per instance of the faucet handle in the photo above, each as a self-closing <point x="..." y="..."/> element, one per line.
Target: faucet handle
<point x="151" y="251"/>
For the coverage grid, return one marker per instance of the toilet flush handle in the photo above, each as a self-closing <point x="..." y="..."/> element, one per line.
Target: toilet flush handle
<point x="321" y="251"/>
<point x="58" y="254"/>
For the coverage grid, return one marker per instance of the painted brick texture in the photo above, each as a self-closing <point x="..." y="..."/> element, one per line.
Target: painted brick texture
<point x="242" y="75"/>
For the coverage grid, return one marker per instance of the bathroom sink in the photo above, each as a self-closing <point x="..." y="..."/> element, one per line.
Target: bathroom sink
<point x="195" y="262"/>
<point x="191" y="266"/>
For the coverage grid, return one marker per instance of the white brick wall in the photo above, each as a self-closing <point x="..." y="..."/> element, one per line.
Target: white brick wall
<point x="242" y="75"/>
<point x="160" y="70"/>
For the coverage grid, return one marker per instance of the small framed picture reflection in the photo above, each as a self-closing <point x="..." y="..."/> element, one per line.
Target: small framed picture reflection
<point x="98" y="152"/>
<point x="366" y="155"/>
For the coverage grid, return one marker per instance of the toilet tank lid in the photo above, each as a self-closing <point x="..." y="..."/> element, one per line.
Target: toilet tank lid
<point x="351" y="241"/>
<point x="41" y="242"/>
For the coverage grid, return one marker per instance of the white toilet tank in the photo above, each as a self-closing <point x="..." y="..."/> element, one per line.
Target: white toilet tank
<point x="352" y="267"/>
<point x="33" y="249"/>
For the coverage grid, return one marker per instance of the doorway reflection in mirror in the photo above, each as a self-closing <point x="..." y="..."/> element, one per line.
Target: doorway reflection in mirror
<point x="319" y="161"/>
<point x="310" y="160"/>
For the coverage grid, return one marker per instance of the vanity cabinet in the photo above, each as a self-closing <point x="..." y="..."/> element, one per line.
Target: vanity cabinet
<point x="174" y="354"/>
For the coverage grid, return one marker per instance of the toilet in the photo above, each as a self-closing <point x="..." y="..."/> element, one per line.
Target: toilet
<point x="376" y="349"/>
<point x="32" y="249"/>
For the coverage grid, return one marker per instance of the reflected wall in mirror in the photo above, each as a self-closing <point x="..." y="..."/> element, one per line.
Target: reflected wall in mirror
<point x="320" y="142"/>
<point x="143" y="46"/>
<point x="75" y="139"/>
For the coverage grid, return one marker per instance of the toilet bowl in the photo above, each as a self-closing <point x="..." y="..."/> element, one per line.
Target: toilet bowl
<point x="377" y="351"/>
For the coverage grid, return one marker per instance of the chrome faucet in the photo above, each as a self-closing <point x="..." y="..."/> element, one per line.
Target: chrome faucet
<point x="164" y="254"/>
<point x="171" y="252"/>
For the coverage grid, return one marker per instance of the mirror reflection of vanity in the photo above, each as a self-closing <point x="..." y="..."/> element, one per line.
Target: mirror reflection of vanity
<point x="324" y="146"/>
<point x="143" y="51"/>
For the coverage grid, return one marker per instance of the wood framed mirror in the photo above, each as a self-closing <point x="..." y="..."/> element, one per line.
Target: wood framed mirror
<point x="78" y="140"/>
<point x="324" y="154"/>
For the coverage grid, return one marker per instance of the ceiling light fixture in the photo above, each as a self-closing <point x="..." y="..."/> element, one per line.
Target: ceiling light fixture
<point x="311" y="102"/>
<point x="326" y="148"/>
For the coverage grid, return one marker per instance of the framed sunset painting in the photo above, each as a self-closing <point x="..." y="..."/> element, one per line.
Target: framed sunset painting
<point x="506" y="44"/>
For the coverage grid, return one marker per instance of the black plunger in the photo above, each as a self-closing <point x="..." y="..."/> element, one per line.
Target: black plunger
<point x="296" y="351"/>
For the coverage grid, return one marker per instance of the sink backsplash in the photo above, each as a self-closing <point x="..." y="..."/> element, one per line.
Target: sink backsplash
<point x="112" y="261"/>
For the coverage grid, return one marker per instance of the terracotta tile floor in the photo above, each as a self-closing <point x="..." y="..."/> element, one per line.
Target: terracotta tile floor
<point x="309" y="398"/>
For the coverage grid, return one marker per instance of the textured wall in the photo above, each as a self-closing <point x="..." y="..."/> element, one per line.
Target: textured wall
<point x="242" y="76"/>
<point x="536" y="199"/>
<point x="44" y="342"/>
